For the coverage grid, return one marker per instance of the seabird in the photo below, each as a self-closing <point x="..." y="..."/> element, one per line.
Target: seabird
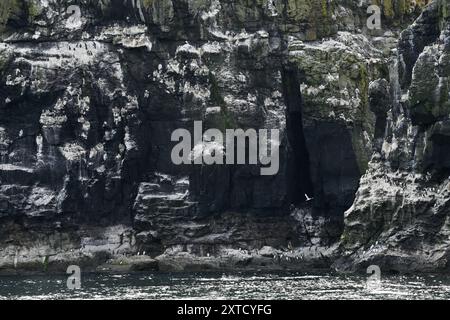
<point x="308" y="198"/>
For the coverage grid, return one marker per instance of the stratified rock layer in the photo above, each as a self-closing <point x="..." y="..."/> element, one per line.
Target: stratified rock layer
<point x="89" y="100"/>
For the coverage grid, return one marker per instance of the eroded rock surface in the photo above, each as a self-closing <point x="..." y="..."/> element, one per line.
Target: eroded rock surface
<point x="88" y="105"/>
<point x="399" y="219"/>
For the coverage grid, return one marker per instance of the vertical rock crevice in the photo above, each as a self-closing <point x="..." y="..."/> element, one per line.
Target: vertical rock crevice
<point x="299" y="177"/>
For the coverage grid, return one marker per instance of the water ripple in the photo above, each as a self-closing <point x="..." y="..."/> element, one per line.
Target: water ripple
<point x="221" y="286"/>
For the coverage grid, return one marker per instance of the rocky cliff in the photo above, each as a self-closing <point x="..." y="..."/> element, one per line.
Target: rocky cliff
<point x="399" y="219"/>
<point x="91" y="91"/>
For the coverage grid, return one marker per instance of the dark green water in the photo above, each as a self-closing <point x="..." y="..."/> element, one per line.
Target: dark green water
<point x="225" y="286"/>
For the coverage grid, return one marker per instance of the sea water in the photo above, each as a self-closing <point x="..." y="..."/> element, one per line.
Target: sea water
<point x="288" y="285"/>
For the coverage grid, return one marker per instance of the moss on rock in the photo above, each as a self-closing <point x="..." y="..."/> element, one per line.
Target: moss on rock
<point x="7" y="9"/>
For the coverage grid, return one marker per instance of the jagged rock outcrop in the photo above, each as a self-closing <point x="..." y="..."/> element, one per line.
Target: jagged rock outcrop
<point x="89" y="99"/>
<point x="399" y="219"/>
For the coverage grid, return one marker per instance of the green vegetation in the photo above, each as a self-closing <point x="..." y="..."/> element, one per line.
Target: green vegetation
<point x="45" y="263"/>
<point x="10" y="8"/>
<point x="32" y="11"/>
<point x="147" y="3"/>
<point x="6" y="8"/>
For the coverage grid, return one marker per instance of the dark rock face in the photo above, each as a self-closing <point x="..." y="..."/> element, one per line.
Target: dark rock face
<point x="380" y="104"/>
<point x="414" y="39"/>
<point x="88" y="106"/>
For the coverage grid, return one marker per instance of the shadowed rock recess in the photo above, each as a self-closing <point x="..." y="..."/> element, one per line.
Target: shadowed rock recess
<point x="88" y="106"/>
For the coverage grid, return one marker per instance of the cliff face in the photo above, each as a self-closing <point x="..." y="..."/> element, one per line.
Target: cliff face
<point x="400" y="216"/>
<point x="89" y="100"/>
